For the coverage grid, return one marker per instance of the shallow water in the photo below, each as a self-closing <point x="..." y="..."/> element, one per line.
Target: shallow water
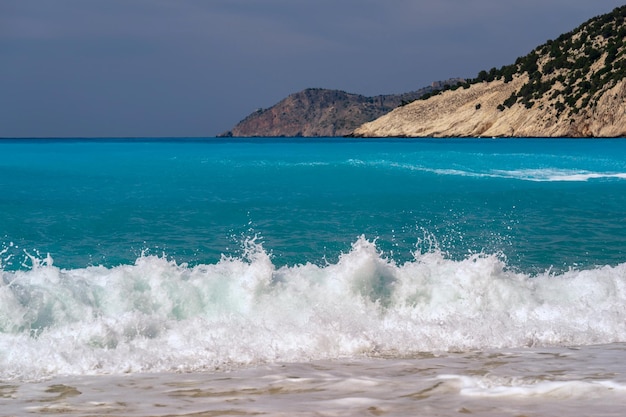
<point x="581" y="381"/>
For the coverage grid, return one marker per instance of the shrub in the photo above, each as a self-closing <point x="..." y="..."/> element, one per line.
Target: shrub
<point x="511" y="100"/>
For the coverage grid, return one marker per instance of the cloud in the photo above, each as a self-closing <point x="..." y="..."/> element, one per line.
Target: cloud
<point x="194" y="67"/>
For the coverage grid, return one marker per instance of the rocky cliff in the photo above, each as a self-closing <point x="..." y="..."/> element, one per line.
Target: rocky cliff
<point x="321" y="112"/>
<point x="574" y="86"/>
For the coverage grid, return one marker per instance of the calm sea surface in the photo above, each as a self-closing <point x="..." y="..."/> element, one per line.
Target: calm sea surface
<point x="312" y="277"/>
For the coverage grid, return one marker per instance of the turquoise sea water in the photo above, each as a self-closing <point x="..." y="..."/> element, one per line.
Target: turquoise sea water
<point x="313" y="277"/>
<point x="538" y="203"/>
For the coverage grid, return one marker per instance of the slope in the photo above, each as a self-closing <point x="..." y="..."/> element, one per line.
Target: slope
<point x="573" y="86"/>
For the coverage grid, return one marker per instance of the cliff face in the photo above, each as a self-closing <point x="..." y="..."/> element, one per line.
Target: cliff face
<point x="474" y="113"/>
<point x="312" y="112"/>
<point x="321" y="112"/>
<point x="574" y="86"/>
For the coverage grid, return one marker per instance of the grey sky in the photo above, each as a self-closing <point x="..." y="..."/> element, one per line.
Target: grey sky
<point x="197" y="67"/>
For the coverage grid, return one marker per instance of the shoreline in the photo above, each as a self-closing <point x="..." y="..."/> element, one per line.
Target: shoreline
<point x="532" y="381"/>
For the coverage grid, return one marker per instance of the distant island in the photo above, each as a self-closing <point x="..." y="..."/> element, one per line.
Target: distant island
<point x="573" y="86"/>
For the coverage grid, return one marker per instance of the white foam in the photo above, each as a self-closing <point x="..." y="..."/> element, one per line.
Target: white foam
<point x="495" y="387"/>
<point x="555" y="175"/>
<point x="528" y="174"/>
<point x="157" y="315"/>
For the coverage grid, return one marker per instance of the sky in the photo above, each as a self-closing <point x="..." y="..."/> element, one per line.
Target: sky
<point x="195" y="68"/>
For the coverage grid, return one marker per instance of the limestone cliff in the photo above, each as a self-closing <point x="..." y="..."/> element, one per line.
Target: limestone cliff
<point x="574" y="86"/>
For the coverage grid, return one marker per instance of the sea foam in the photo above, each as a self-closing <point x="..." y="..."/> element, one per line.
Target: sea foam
<point x="158" y="315"/>
<point x="498" y="387"/>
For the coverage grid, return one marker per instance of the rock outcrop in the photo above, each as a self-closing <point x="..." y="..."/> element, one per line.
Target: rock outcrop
<point x="574" y="86"/>
<point x="317" y="112"/>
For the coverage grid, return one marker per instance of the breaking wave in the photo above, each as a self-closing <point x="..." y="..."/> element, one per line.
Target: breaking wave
<point x="158" y="315"/>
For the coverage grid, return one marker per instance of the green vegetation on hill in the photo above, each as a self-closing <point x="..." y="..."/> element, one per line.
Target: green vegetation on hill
<point x="575" y="68"/>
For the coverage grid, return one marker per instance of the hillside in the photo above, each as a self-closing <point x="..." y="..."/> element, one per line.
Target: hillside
<point x="321" y="112"/>
<point x="573" y="86"/>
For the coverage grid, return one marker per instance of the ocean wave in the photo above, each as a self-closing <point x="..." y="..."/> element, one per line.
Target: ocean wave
<point x="523" y="174"/>
<point x="158" y="315"/>
<point x="555" y="175"/>
<point x="535" y="175"/>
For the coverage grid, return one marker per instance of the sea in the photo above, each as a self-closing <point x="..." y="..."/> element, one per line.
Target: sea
<point x="312" y="277"/>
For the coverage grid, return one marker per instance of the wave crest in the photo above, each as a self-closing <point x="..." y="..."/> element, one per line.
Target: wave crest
<point x="158" y="315"/>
